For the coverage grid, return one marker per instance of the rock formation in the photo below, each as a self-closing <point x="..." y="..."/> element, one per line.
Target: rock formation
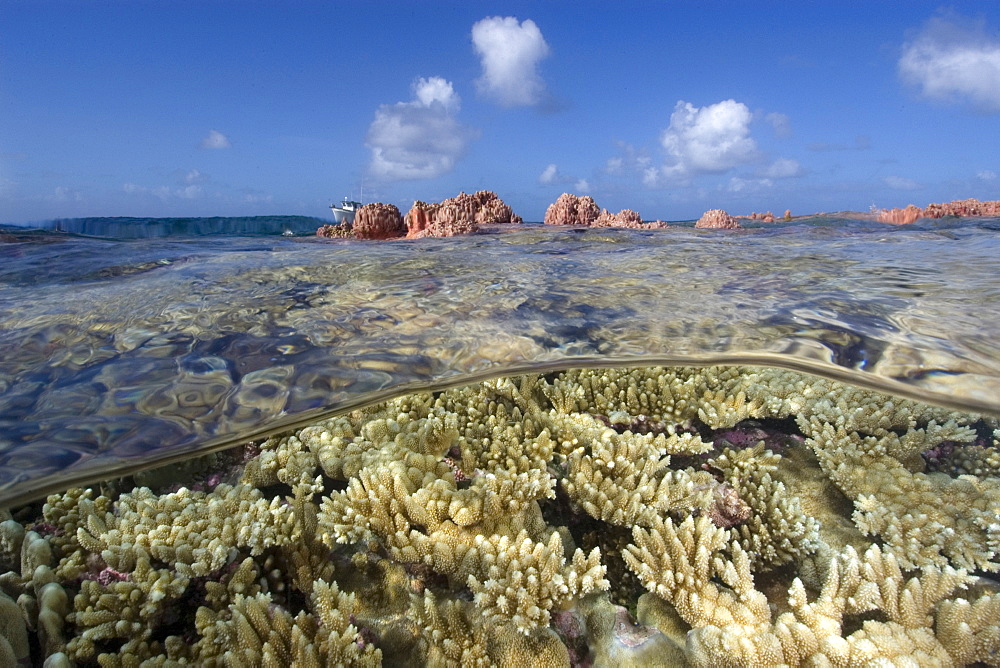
<point x="378" y="221"/>
<point x="900" y="216"/>
<point x="458" y="215"/>
<point x="961" y="208"/>
<point x="624" y="218"/>
<point x="572" y="210"/>
<point x="718" y="219"/>
<point x="965" y="207"/>
<point x="341" y="231"/>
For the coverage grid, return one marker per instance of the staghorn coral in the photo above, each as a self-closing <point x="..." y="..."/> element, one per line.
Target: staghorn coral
<point x="772" y="529"/>
<point x="904" y="508"/>
<point x="446" y="527"/>
<point x="625" y="479"/>
<point x="176" y="529"/>
<point x="255" y="631"/>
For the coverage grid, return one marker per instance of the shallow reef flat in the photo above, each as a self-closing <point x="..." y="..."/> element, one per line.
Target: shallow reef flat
<point x="716" y="516"/>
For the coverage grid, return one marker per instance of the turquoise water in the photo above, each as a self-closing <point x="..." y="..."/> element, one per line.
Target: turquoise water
<point x="120" y="353"/>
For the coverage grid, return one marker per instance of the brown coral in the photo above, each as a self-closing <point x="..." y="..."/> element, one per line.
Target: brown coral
<point x="572" y="210"/>
<point x="717" y="219"/>
<point x="378" y="221"/>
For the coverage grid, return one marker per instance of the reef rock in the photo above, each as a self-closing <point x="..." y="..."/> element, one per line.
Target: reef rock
<point x="960" y="208"/>
<point x="625" y="218"/>
<point x="378" y="221"/>
<point x="717" y="219"/>
<point x="572" y="210"/>
<point x="458" y="215"/>
<point x="900" y="216"/>
<point x="341" y="231"/>
<point x="965" y="207"/>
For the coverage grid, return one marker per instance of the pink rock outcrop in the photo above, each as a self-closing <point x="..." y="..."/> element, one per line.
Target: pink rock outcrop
<point x="462" y="214"/>
<point x="767" y="217"/>
<point x="334" y="231"/>
<point x="572" y="210"/>
<point x="378" y="221"/>
<point x="717" y="219"/>
<point x="961" y="208"/>
<point x="964" y="207"/>
<point x="900" y="216"/>
<point x="624" y="218"/>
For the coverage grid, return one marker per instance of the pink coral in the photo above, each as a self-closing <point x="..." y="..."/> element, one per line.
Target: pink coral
<point x="717" y="219"/>
<point x="378" y="221"/>
<point x="572" y="210"/>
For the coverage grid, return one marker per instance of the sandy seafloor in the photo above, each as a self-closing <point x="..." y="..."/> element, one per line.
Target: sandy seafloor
<point x="631" y="514"/>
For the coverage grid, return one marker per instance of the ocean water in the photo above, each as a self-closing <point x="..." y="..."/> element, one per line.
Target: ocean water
<point x="126" y="343"/>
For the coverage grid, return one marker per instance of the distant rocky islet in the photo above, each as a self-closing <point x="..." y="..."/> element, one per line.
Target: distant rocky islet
<point x="467" y="213"/>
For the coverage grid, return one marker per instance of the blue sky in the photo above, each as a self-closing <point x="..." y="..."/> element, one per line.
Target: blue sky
<point x="149" y="108"/>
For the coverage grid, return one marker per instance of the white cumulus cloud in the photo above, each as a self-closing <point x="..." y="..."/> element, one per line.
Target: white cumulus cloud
<point x="986" y="175"/>
<point x="954" y="59"/>
<point x="710" y="139"/>
<point x="510" y="52"/>
<point x="550" y="175"/>
<point x="420" y="139"/>
<point x="215" y="139"/>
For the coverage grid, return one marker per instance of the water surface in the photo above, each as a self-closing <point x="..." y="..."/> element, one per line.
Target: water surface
<point x="118" y="354"/>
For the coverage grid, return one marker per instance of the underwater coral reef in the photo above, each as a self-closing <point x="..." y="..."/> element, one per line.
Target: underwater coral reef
<point x="718" y="516"/>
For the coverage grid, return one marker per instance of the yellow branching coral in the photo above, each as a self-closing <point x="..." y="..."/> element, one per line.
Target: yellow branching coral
<point x="443" y="528"/>
<point x="660" y="394"/>
<point x="777" y="531"/>
<point x="253" y="631"/>
<point x="129" y="611"/>
<point x="625" y="479"/>
<point x="905" y="508"/>
<point x="455" y="638"/>
<point x="195" y="532"/>
<point x="524" y="580"/>
<point x="676" y="562"/>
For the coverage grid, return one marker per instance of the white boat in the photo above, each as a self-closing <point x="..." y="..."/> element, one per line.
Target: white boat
<point x="344" y="212"/>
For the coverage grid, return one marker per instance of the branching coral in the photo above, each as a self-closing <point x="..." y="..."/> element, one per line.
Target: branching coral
<point x="625" y="479"/>
<point x="905" y="508"/>
<point x="443" y="528"/>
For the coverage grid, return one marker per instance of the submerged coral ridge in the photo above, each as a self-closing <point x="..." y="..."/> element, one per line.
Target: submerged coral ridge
<point x="743" y="516"/>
